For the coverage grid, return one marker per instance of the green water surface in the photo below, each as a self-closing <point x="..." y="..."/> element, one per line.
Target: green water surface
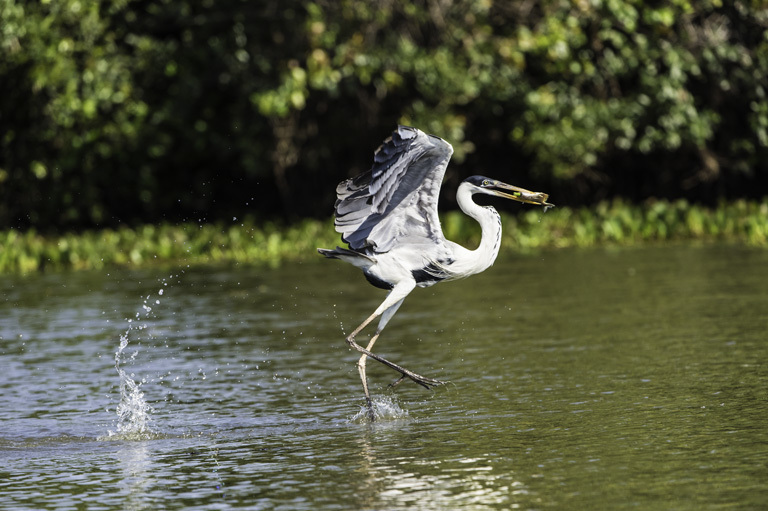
<point x="580" y="379"/>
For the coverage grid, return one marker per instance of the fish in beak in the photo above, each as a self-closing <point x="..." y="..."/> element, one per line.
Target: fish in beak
<point x="516" y="193"/>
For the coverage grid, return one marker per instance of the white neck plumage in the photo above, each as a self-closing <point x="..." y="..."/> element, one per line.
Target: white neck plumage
<point x="469" y="262"/>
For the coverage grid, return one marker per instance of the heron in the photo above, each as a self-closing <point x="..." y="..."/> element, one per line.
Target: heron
<point x="388" y="217"/>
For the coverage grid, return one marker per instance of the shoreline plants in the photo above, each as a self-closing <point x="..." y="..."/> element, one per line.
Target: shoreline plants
<point x="249" y="242"/>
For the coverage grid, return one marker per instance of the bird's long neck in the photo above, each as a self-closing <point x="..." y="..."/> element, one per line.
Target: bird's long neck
<point x="490" y="224"/>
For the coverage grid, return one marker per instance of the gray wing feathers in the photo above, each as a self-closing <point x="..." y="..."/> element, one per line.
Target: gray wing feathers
<point x="397" y="198"/>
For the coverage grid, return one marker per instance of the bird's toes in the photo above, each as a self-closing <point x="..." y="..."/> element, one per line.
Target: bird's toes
<point x="398" y="381"/>
<point x="427" y="383"/>
<point x="434" y="383"/>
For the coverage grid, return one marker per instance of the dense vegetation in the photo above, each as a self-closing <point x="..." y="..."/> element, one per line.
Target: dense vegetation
<point x="248" y="242"/>
<point x="135" y="111"/>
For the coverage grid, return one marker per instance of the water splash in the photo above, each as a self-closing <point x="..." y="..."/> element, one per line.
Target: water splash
<point x="385" y="408"/>
<point x="133" y="411"/>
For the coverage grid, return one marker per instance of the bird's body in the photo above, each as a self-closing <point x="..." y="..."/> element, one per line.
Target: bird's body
<point x="388" y="217"/>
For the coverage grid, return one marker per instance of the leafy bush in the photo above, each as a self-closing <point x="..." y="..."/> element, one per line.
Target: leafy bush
<point x="137" y="111"/>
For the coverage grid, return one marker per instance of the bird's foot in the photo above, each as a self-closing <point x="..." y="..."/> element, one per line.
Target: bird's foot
<point x="427" y="383"/>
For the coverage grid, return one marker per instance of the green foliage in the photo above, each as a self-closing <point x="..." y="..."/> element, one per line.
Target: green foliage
<point x="573" y="84"/>
<point x="69" y="106"/>
<point x="614" y="222"/>
<point x="188" y="243"/>
<point x="618" y="222"/>
<point x="136" y="111"/>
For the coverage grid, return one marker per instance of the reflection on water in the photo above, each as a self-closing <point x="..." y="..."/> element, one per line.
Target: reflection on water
<point x="609" y="379"/>
<point x="137" y="475"/>
<point x="411" y="482"/>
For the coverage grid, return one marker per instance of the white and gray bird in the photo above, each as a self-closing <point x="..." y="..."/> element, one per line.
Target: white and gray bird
<point x="388" y="217"/>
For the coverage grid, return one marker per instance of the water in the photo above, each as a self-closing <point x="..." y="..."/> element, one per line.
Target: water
<point x="596" y="379"/>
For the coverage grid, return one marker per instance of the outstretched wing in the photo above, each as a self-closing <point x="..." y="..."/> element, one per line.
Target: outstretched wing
<point x="395" y="201"/>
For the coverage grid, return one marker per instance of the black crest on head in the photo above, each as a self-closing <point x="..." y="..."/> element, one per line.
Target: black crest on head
<point x="480" y="181"/>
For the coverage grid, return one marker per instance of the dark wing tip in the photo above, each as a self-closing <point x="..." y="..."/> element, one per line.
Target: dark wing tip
<point x="404" y="136"/>
<point x="393" y="144"/>
<point x="406" y="132"/>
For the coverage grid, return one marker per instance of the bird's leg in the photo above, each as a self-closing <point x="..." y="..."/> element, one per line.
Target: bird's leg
<point x="386" y="310"/>
<point x="361" y="370"/>
<point x="361" y="362"/>
<point x="427" y="383"/>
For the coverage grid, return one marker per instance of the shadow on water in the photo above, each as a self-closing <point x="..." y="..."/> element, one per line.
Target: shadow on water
<point x="601" y="379"/>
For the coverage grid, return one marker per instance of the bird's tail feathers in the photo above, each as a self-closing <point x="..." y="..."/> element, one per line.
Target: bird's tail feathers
<point x="346" y="255"/>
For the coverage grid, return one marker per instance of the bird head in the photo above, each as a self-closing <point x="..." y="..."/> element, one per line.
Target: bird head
<point x="488" y="186"/>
